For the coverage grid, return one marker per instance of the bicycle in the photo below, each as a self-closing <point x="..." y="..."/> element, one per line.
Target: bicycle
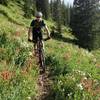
<point x="40" y="53"/>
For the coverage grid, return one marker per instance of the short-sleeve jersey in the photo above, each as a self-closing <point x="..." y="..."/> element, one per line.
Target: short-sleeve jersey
<point x="37" y="25"/>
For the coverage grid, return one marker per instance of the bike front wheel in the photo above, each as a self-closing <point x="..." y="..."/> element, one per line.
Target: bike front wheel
<point x="42" y="60"/>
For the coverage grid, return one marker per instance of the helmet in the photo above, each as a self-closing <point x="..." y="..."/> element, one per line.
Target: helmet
<point x="38" y="14"/>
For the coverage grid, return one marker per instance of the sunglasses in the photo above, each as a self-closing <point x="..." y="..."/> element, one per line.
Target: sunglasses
<point x="38" y="17"/>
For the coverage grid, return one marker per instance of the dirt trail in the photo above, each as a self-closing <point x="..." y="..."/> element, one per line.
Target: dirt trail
<point x="44" y="84"/>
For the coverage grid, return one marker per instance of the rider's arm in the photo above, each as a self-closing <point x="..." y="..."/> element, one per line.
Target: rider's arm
<point x="48" y="32"/>
<point x="30" y="30"/>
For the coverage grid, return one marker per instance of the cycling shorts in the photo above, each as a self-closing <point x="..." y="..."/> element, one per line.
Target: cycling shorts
<point x="36" y="35"/>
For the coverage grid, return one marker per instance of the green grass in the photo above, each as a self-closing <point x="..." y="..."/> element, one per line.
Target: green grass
<point x="75" y="71"/>
<point x="18" y="71"/>
<point x="69" y="65"/>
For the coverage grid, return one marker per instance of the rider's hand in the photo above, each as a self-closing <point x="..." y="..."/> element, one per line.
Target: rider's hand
<point x="49" y="37"/>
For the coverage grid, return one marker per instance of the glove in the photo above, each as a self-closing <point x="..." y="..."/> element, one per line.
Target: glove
<point x="48" y="37"/>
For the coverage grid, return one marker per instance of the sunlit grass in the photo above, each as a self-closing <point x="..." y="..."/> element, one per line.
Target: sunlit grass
<point x="75" y="70"/>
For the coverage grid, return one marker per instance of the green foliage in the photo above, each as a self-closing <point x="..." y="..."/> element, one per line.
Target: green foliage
<point x="20" y="86"/>
<point x="69" y="65"/>
<point x="12" y="14"/>
<point x="15" y="82"/>
<point x="56" y="13"/>
<point x="84" y="23"/>
<point x="4" y="2"/>
<point x="43" y="6"/>
<point x="21" y="57"/>
<point x="57" y="67"/>
<point x="66" y="10"/>
<point x="3" y="39"/>
<point x="27" y="8"/>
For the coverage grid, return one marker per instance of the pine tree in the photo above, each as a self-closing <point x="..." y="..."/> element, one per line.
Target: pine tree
<point x="27" y="8"/>
<point x="83" y="21"/>
<point x="43" y="6"/>
<point x="96" y="25"/>
<point x="56" y="13"/>
<point x="33" y="7"/>
<point x="64" y="13"/>
<point x="51" y="9"/>
<point x="4" y="2"/>
<point x="67" y="14"/>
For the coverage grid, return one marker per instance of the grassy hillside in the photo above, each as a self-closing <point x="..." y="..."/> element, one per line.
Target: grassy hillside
<point x="18" y="71"/>
<point x="74" y="71"/>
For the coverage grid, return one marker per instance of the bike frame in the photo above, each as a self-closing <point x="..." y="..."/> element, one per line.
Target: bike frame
<point x="40" y="53"/>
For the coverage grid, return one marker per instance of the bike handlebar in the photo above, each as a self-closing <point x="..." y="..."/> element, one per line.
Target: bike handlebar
<point x="29" y="40"/>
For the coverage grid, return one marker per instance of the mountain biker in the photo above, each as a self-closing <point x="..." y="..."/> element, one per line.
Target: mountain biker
<point x="35" y="28"/>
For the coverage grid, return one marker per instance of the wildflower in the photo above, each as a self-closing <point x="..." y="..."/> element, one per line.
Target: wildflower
<point x="80" y="86"/>
<point x="69" y="94"/>
<point x="6" y="75"/>
<point x="67" y="56"/>
<point x="98" y="65"/>
<point x="29" y="98"/>
<point x="17" y="50"/>
<point x="17" y="33"/>
<point x="96" y="81"/>
<point x="2" y="50"/>
<point x="60" y="82"/>
<point x="94" y="60"/>
<point x="24" y="44"/>
<point x="30" y="54"/>
<point x="83" y="73"/>
<point x="63" y="89"/>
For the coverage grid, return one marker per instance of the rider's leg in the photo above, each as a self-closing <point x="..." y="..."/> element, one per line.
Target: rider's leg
<point x="35" y="49"/>
<point x="34" y="36"/>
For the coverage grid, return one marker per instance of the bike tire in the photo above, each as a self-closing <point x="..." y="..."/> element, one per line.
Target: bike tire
<point x="41" y="57"/>
<point x="42" y="60"/>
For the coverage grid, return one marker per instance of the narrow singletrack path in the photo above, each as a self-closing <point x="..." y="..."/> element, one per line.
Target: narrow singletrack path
<point x="44" y="85"/>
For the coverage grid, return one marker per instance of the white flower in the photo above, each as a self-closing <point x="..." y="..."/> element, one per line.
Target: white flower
<point x="24" y="44"/>
<point x="29" y="98"/>
<point x="63" y="89"/>
<point x="69" y="94"/>
<point x="85" y="78"/>
<point x="94" y="60"/>
<point x="30" y="54"/>
<point x="80" y="86"/>
<point x="83" y="74"/>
